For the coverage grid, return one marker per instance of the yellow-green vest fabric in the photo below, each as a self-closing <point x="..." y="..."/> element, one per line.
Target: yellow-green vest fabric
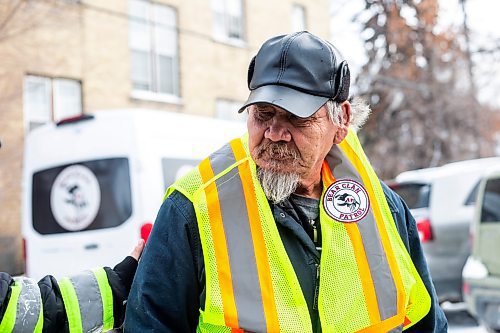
<point x="368" y="282"/>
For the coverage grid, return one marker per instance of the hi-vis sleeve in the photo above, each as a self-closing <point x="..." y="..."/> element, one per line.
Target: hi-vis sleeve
<point x="87" y="299"/>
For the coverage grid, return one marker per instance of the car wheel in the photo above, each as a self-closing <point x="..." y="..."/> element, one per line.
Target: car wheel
<point x="491" y="330"/>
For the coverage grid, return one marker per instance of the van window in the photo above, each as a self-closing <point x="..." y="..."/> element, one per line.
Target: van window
<point x="415" y="195"/>
<point x="490" y="210"/>
<point x="87" y="195"/>
<point x="174" y="168"/>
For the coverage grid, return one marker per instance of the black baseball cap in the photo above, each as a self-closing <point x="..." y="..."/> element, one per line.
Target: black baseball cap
<point x="298" y="72"/>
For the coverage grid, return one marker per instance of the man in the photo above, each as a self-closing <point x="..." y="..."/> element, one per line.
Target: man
<point x="287" y="229"/>
<point x="92" y="301"/>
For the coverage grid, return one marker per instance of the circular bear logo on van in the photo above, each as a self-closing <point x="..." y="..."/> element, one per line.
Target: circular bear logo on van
<point x="346" y="201"/>
<point x="75" y="197"/>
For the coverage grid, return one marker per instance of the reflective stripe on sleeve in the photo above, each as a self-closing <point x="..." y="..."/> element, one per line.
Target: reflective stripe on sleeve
<point x="24" y="313"/>
<point x="71" y="305"/>
<point x="29" y="307"/>
<point x="39" y="324"/>
<point x="107" y="298"/>
<point x="88" y="301"/>
<point x="9" y="317"/>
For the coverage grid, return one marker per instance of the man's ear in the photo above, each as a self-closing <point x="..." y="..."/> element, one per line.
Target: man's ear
<point x="343" y="129"/>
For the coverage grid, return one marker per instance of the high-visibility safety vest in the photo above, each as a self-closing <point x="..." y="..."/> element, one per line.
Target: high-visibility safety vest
<point x="367" y="280"/>
<point x="87" y="297"/>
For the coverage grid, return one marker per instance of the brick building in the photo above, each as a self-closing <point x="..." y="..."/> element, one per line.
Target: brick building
<point x="61" y="58"/>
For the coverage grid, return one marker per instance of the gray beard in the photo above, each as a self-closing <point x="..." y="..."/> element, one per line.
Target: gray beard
<point x="277" y="185"/>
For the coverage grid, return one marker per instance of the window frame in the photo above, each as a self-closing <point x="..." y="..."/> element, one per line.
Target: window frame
<point x="54" y="114"/>
<point x="225" y="37"/>
<point x="153" y="28"/>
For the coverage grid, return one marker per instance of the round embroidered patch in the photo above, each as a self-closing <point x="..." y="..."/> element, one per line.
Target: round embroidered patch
<point x="346" y="201"/>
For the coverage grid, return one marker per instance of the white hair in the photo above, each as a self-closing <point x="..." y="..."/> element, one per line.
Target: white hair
<point x="360" y="111"/>
<point x="277" y="185"/>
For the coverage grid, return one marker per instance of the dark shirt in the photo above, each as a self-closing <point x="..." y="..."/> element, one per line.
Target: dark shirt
<point x="307" y="211"/>
<point x="169" y="287"/>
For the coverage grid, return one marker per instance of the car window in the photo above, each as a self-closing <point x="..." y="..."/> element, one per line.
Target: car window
<point x="414" y="194"/>
<point x="472" y="197"/>
<point x="490" y="209"/>
<point x="87" y="195"/>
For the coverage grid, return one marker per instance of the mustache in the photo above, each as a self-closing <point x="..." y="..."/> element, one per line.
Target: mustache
<point x="277" y="150"/>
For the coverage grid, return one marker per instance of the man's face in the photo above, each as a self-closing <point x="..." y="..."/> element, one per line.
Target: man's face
<point x="284" y="143"/>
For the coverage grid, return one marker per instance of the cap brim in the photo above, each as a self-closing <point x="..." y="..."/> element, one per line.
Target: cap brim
<point x="299" y="103"/>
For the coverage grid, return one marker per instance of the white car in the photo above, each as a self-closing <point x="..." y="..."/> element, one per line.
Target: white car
<point x="93" y="185"/>
<point x="442" y="201"/>
<point x="482" y="271"/>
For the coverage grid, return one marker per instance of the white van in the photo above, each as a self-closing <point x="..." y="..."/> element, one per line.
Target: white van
<point x="93" y="184"/>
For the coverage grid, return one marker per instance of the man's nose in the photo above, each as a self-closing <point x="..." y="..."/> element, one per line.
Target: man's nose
<point x="278" y="131"/>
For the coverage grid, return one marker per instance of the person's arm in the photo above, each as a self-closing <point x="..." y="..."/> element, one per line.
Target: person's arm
<point x="120" y="280"/>
<point x="165" y="295"/>
<point x="435" y="321"/>
<point x="44" y="306"/>
<point x="6" y="282"/>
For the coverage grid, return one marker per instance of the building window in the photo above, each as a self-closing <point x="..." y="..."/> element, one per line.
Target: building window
<point x="228" y="20"/>
<point x="228" y="110"/>
<point x="299" y="22"/>
<point x="153" y="48"/>
<point x="48" y="99"/>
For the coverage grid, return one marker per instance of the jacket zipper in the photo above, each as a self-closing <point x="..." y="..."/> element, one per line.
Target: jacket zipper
<point x="312" y="222"/>
<point x="316" y="289"/>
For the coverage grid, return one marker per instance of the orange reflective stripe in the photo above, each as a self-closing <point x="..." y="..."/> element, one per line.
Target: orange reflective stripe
<point x="263" y="269"/>
<point x="383" y="326"/>
<point x="361" y="259"/>
<point x="219" y="241"/>
<point x="364" y="272"/>
<point x="328" y="177"/>
<point x="391" y="259"/>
